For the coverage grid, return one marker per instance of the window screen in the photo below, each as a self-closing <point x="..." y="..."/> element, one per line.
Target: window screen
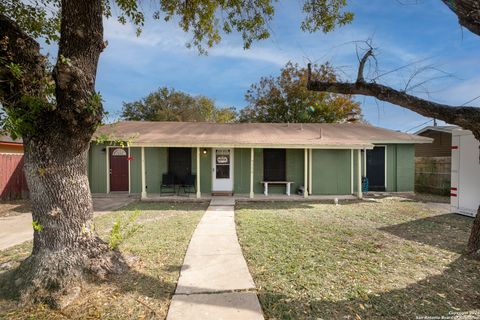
<point x="274" y="161"/>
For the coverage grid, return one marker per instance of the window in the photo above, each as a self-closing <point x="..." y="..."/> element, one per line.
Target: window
<point x="274" y="163"/>
<point x="222" y="161"/>
<point x="119" y="153"/>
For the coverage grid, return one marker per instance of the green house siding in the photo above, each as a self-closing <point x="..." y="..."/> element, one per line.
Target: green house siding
<point x="241" y="170"/>
<point x="257" y="171"/>
<point x="155" y="166"/>
<point x="295" y="173"/>
<point x="136" y="170"/>
<point x="205" y="171"/>
<point x="97" y="168"/>
<point x="391" y="168"/>
<point x="331" y="172"/>
<point x="405" y="168"/>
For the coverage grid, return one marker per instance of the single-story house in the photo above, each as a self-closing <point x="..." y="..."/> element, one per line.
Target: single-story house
<point x="251" y="158"/>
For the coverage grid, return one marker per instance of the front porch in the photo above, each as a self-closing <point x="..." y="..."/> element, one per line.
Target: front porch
<point x="320" y="174"/>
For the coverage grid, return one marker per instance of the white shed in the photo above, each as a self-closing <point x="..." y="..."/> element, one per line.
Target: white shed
<point x="465" y="192"/>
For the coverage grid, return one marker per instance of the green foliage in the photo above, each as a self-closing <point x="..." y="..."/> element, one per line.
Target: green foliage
<point x="113" y="140"/>
<point x="15" y="69"/>
<point x="205" y="20"/>
<point x="95" y="103"/>
<point x="286" y="99"/>
<point x="325" y="15"/>
<point x="39" y="18"/>
<point x="37" y="226"/>
<point x="170" y="105"/>
<point x="123" y="229"/>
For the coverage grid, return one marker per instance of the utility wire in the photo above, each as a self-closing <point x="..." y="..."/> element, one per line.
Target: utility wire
<point x="430" y="120"/>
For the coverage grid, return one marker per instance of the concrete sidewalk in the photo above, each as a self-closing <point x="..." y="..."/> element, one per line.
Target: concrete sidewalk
<point x="18" y="229"/>
<point x="215" y="282"/>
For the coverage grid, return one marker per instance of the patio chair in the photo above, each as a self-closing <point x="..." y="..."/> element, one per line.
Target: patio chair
<point x="168" y="184"/>
<point x="188" y="185"/>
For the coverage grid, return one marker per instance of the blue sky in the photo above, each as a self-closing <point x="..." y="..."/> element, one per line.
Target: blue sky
<point x="131" y="67"/>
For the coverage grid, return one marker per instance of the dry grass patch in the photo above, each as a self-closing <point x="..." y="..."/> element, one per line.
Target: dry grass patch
<point x="393" y="258"/>
<point x="155" y="254"/>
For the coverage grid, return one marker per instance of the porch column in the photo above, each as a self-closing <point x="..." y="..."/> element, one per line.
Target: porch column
<point x="310" y="171"/>
<point x="144" y="187"/>
<point x="305" y="171"/>
<point x="199" y="193"/>
<point x="251" y="172"/>
<point x="359" y="175"/>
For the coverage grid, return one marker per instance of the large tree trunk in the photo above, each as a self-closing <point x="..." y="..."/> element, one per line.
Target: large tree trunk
<point x="65" y="246"/>
<point x="463" y="116"/>
<point x="56" y="134"/>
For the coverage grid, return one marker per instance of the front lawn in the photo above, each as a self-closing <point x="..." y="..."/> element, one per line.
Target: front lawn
<point x="155" y="253"/>
<point x="393" y="258"/>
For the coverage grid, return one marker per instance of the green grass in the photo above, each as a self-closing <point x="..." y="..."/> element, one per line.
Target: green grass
<point x="155" y="254"/>
<point x="389" y="259"/>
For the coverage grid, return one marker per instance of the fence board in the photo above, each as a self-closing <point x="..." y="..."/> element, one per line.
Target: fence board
<point x="13" y="184"/>
<point x="432" y="175"/>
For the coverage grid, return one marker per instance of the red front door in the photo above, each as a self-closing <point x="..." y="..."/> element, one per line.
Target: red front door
<point x="118" y="169"/>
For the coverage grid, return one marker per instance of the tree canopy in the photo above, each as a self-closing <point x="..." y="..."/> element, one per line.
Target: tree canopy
<point x="170" y="105"/>
<point x="285" y="98"/>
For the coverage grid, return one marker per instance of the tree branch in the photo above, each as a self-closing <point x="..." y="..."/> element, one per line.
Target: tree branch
<point x="468" y="12"/>
<point x="463" y="116"/>
<point x="364" y="59"/>
<point x="19" y="49"/>
<point x="81" y="43"/>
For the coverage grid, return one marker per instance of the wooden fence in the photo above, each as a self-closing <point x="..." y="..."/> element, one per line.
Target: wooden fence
<point x="12" y="179"/>
<point x="432" y="175"/>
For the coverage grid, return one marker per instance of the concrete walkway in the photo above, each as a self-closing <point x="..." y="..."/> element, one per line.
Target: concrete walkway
<point x="18" y="229"/>
<point x="214" y="281"/>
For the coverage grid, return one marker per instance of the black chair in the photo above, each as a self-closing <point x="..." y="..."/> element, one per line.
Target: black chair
<point x="168" y="184"/>
<point x="187" y="185"/>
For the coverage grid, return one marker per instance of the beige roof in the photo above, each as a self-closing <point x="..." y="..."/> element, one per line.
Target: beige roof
<point x="273" y="135"/>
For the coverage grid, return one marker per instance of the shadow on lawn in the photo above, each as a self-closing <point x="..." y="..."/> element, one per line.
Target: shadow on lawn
<point x="165" y="206"/>
<point x="18" y="206"/>
<point x="285" y="205"/>
<point x="456" y="289"/>
<point x="445" y="231"/>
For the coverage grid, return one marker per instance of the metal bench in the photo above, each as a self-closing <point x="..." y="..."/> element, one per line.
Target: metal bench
<point x="286" y="183"/>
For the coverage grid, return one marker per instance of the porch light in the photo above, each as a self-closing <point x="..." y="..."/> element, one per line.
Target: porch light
<point x="204" y="151"/>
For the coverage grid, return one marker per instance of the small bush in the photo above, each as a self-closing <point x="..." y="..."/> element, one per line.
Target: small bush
<point x="124" y="228"/>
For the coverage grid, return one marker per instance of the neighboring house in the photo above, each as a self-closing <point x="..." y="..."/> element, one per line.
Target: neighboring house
<point x="433" y="161"/>
<point x="10" y="146"/>
<point x="12" y="179"/>
<point x="325" y="159"/>
<point x="465" y="173"/>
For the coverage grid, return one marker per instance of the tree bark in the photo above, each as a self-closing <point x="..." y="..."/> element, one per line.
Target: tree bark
<point x="468" y="13"/>
<point x="66" y="248"/>
<point x="463" y="116"/>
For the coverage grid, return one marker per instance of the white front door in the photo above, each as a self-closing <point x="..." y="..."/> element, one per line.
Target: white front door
<point x="222" y="164"/>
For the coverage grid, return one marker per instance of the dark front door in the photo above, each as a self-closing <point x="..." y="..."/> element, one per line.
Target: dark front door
<point x="180" y="163"/>
<point x="118" y="169"/>
<point x="376" y="169"/>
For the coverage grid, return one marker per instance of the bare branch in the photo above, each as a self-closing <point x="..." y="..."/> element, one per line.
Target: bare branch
<point x="466" y="117"/>
<point x="365" y="57"/>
